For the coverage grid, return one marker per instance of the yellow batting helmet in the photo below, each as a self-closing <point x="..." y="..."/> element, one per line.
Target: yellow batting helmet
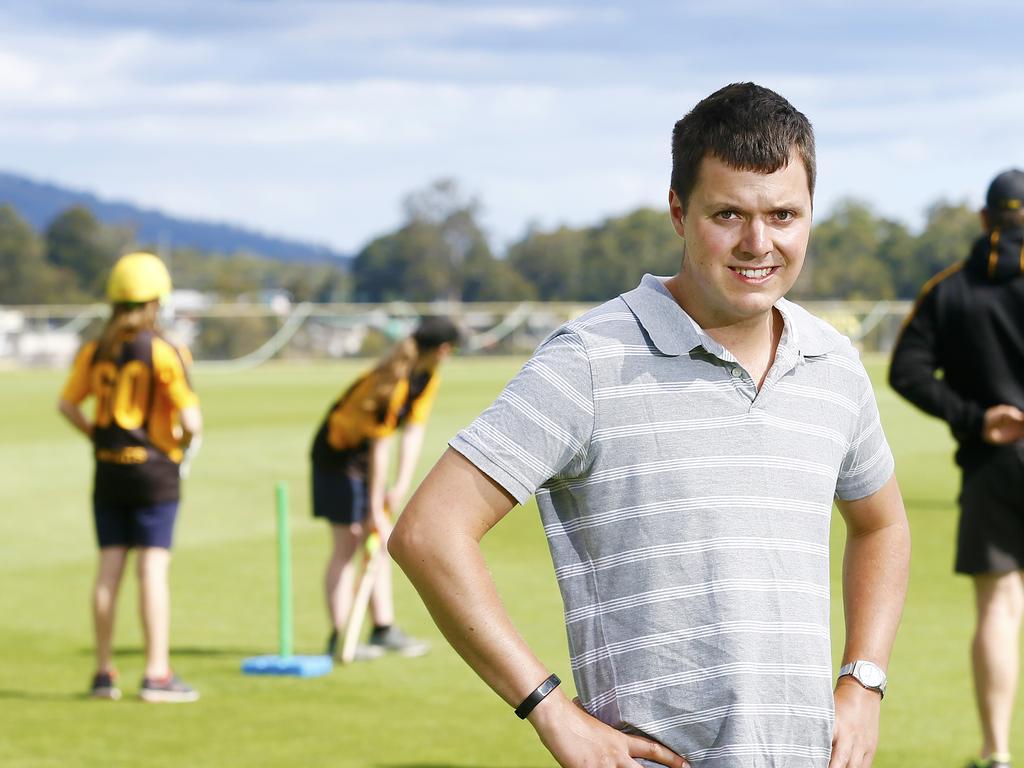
<point x="138" y="278"/>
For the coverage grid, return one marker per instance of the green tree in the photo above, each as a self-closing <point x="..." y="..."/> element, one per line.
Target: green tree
<point x="25" y="276"/>
<point x="843" y="260"/>
<point x="411" y="264"/>
<point x="486" y="278"/>
<point x="949" y="232"/>
<point x="439" y="253"/>
<point x="78" y="244"/>
<point x="620" y="250"/>
<point x="552" y="262"/>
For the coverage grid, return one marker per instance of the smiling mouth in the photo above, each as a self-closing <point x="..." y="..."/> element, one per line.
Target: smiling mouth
<point x="754" y="274"/>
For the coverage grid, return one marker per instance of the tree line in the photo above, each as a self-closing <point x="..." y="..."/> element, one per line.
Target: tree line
<point x="441" y="251"/>
<point x="69" y="262"/>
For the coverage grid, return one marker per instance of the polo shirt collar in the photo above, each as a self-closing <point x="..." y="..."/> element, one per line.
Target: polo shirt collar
<point x="674" y="332"/>
<point x="810" y="336"/>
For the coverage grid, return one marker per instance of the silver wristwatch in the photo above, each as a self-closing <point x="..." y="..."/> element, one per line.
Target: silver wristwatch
<point x="867" y="673"/>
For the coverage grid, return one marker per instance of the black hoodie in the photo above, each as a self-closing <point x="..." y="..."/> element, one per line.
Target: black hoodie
<point x="968" y="324"/>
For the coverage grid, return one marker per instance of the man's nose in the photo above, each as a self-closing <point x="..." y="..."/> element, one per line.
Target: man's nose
<point x="756" y="240"/>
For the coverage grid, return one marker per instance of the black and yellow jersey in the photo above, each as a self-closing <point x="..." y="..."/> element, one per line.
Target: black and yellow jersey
<point x="137" y="436"/>
<point x="345" y="434"/>
<point x="968" y="324"/>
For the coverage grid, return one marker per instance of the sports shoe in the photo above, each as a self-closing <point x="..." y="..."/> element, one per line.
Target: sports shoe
<point x="363" y="652"/>
<point x="990" y="762"/>
<point x="395" y="640"/>
<point x="104" y="686"/>
<point x="167" y="689"/>
<point x="367" y="652"/>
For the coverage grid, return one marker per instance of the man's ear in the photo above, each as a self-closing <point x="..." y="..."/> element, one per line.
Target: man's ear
<point x="985" y="220"/>
<point x="676" y="213"/>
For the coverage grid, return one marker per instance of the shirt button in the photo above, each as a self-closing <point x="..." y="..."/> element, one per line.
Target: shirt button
<point x="737" y="372"/>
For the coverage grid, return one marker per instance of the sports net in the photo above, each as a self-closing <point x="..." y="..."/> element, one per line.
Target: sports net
<point x="241" y="336"/>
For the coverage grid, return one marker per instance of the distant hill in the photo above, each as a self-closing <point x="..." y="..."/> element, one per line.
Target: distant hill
<point x="39" y="202"/>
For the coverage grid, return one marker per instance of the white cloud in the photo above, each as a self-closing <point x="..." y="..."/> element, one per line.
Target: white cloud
<point x="314" y="118"/>
<point x="377" y="21"/>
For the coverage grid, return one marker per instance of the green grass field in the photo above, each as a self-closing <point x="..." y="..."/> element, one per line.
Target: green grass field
<point x="391" y="713"/>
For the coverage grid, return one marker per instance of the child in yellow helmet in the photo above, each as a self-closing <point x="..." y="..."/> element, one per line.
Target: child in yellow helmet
<point x="146" y="417"/>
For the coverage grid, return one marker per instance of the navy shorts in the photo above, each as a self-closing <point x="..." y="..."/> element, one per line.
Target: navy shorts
<point x="119" y="525"/>
<point x="340" y="496"/>
<point x="991" y="535"/>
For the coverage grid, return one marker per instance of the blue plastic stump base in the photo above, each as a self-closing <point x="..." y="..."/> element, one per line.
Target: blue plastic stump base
<point x="296" y="666"/>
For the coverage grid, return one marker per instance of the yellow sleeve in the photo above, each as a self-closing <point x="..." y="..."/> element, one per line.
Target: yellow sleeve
<point x="78" y="385"/>
<point x="420" y="410"/>
<point x="169" y="369"/>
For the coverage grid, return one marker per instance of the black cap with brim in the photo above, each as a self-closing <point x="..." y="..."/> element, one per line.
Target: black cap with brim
<point x="1006" y="192"/>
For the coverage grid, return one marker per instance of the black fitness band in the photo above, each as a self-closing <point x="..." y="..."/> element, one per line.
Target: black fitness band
<point x="537" y="696"/>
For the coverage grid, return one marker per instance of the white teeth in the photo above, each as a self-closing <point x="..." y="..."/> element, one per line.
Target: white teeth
<point x="754" y="273"/>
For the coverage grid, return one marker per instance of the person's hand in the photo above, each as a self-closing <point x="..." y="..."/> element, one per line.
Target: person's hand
<point x="1004" y="424"/>
<point x="578" y="740"/>
<point x="855" y="736"/>
<point x="189" y="455"/>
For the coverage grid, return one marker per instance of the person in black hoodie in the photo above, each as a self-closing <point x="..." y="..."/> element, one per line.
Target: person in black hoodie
<point x="968" y="325"/>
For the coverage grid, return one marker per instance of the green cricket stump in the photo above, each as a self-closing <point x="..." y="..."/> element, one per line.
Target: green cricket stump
<point x="285" y="663"/>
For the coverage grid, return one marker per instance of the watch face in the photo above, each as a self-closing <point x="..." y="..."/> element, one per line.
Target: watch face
<point x="870" y="674"/>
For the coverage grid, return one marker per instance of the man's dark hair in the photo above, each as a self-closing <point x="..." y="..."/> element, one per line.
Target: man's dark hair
<point x="747" y="127"/>
<point x="434" y="331"/>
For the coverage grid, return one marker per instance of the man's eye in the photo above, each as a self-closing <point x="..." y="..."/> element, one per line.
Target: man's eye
<point x="784" y="215"/>
<point x="727" y="214"/>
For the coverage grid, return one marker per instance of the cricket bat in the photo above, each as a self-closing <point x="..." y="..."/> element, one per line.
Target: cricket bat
<point x="373" y="557"/>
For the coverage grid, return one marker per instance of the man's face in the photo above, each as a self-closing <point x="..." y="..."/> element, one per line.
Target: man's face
<point x="746" y="236"/>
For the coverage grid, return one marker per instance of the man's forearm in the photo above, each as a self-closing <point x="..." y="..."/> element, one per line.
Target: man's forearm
<point x="876" y="567"/>
<point x="875" y="571"/>
<point x="874" y="588"/>
<point x="453" y="581"/>
<point x="439" y="549"/>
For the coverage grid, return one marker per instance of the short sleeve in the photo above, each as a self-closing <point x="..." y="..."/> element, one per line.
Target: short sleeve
<point x="869" y="463"/>
<point x="169" y="367"/>
<point x="77" y="387"/>
<point x="541" y="424"/>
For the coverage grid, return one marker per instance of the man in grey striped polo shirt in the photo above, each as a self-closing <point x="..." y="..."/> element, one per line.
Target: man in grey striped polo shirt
<point x="685" y="442"/>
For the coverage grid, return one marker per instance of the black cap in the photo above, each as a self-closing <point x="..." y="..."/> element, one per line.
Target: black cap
<point x="1006" y="192"/>
<point x="435" y="331"/>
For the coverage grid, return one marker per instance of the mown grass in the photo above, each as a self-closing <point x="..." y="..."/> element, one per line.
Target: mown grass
<point x="392" y="713"/>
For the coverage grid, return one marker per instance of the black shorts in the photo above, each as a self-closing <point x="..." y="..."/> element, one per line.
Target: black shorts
<point x="340" y="496"/>
<point x="991" y="534"/>
<point x="122" y="525"/>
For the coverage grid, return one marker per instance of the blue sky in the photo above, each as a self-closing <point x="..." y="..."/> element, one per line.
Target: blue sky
<point x="313" y="119"/>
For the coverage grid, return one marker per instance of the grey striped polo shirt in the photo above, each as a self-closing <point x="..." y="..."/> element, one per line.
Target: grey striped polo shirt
<point x="687" y="515"/>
